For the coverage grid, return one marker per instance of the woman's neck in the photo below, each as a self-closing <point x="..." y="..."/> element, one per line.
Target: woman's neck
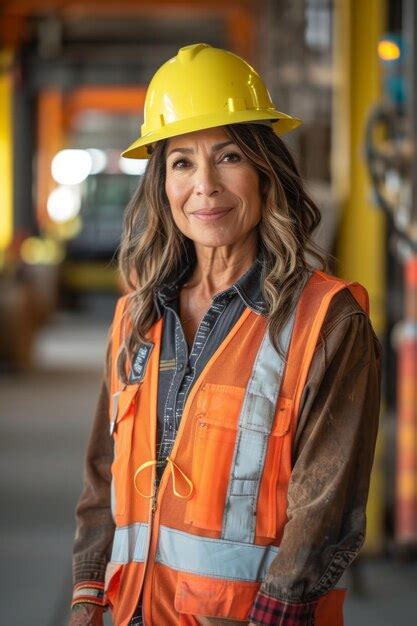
<point x="217" y="269"/>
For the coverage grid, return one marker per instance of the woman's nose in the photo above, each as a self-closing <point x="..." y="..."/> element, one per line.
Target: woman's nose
<point x="207" y="181"/>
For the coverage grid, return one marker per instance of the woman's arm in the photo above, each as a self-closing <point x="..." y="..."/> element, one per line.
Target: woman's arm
<point x="95" y="525"/>
<point x="333" y="456"/>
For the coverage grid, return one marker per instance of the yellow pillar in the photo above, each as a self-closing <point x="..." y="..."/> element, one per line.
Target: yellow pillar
<point x="6" y="147"/>
<point x="361" y="247"/>
<point x="361" y="243"/>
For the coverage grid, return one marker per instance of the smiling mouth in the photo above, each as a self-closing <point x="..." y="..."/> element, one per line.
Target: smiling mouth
<point x="211" y="214"/>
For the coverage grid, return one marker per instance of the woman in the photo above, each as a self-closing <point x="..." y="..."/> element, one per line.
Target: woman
<point x="242" y="386"/>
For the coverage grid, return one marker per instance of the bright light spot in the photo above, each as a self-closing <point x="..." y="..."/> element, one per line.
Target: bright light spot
<point x="66" y="230"/>
<point x="71" y="167"/>
<point x="98" y="160"/>
<point x="35" y="250"/>
<point x="31" y="251"/>
<point x="134" y="167"/>
<point x="64" y="204"/>
<point x="388" y="50"/>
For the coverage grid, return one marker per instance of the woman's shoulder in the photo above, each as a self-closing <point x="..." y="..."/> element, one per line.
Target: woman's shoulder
<point x="347" y="297"/>
<point x="347" y="305"/>
<point x="320" y="276"/>
<point x="347" y="321"/>
<point x="344" y="304"/>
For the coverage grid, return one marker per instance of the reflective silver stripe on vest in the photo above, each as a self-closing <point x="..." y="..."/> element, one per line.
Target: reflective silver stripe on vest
<point x="254" y="427"/>
<point x="113" y="499"/>
<point x="129" y="543"/>
<point x="216" y="558"/>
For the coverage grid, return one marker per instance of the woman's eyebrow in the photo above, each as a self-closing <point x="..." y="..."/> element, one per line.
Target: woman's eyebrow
<point x="216" y="146"/>
<point x="181" y="150"/>
<point x="219" y="146"/>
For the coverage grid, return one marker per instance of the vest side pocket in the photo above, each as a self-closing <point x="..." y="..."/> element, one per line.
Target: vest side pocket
<point x="122" y="435"/>
<point x="228" y="599"/>
<point x="271" y="506"/>
<point x="112" y="581"/>
<point x="215" y="431"/>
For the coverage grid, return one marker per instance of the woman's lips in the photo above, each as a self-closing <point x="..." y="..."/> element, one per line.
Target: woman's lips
<point x="214" y="214"/>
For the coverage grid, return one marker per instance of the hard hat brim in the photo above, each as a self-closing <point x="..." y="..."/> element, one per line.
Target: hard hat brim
<point x="281" y="124"/>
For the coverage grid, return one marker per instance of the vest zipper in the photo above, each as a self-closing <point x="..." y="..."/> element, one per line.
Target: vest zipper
<point x="152" y="540"/>
<point x="153" y="508"/>
<point x="154" y="500"/>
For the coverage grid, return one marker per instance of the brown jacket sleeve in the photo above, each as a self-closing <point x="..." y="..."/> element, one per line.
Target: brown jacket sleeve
<point x="333" y="455"/>
<point x="95" y="525"/>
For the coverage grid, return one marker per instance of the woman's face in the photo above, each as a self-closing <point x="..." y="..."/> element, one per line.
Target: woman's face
<point x="213" y="190"/>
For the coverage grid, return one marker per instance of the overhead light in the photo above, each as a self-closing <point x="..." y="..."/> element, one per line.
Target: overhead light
<point x="98" y="160"/>
<point x="64" y="203"/>
<point x="133" y="167"/>
<point x="388" y="50"/>
<point x="71" y="167"/>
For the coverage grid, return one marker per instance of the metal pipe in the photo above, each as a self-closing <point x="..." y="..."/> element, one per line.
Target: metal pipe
<point x="410" y="38"/>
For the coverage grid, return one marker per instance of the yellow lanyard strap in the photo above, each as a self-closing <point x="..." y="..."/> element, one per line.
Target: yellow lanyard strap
<point x="173" y="467"/>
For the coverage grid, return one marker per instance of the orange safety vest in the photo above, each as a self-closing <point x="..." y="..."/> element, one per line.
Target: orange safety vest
<point x="203" y="543"/>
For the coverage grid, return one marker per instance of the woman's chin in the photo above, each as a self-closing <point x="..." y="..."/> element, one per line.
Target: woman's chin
<point x="214" y="241"/>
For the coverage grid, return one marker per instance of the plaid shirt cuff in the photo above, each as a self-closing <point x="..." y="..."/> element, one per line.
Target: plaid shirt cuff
<point x="89" y="592"/>
<point x="269" y="611"/>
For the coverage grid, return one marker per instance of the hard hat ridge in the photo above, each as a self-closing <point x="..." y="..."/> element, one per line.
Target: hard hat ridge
<point x="187" y="53"/>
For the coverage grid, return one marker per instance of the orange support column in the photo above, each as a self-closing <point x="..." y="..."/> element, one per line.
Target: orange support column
<point x="241" y="31"/>
<point x="50" y="141"/>
<point x="406" y="499"/>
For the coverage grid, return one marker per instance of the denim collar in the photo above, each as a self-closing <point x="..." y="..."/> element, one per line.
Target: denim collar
<point x="248" y="287"/>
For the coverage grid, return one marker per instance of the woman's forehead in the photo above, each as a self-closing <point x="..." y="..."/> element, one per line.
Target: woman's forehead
<point x="193" y="139"/>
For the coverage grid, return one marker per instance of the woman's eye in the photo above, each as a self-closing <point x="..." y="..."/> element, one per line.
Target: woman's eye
<point x="232" y="157"/>
<point x="179" y="164"/>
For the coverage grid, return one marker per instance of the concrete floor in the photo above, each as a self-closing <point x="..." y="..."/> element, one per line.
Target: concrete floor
<point x="45" y="419"/>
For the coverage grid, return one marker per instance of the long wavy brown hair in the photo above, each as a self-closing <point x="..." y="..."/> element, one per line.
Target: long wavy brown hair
<point x="152" y="247"/>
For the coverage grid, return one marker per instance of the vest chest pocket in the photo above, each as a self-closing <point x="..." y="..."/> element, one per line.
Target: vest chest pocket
<point x="217" y="413"/>
<point x="122" y="431"/>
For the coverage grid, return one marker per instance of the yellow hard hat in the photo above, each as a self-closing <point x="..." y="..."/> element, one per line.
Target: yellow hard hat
<point x="203" y="87"/>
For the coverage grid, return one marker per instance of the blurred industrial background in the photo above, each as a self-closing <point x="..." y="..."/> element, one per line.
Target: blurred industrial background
<point x="73" y="76"/>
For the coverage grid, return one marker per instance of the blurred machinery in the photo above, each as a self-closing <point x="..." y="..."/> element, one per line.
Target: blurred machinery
<point x="83" y="184"/>
<point x="72" y="83"/>
<point x="72" y="77"/>
<point x="391" y="137"/>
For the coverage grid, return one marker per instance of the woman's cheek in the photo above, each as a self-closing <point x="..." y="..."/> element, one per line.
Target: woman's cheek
<point x="180" y="218"/>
